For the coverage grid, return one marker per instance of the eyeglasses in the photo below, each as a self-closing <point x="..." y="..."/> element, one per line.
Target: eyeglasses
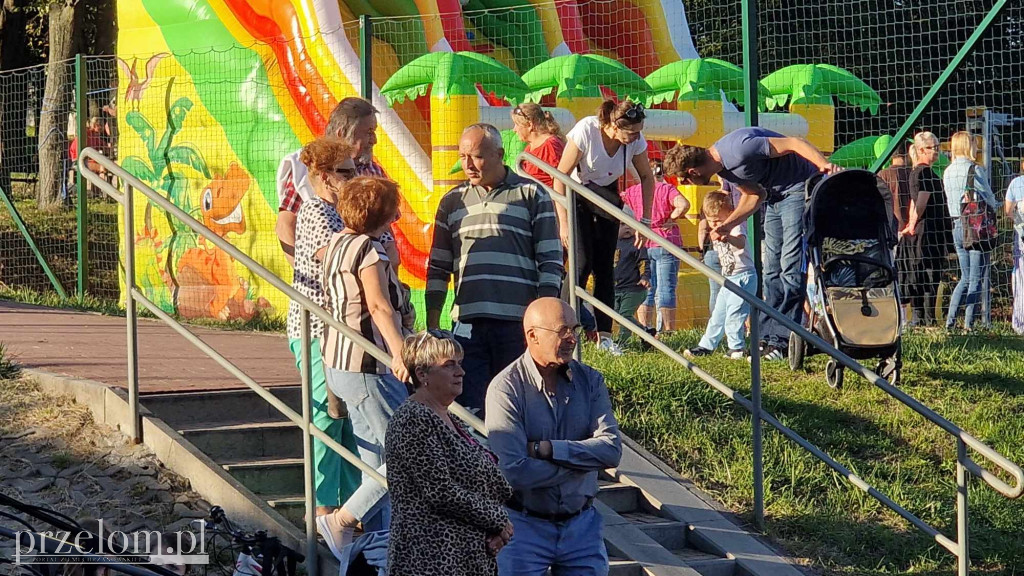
<point x="517" y="111"/>
<point x="565" y="331"/>
<point x="634" y="113"/>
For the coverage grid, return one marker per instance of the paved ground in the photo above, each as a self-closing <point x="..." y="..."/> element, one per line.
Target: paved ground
<point x="92" y="347"/>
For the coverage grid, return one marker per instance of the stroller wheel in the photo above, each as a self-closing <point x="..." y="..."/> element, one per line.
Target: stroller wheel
<point x="834" y="374"/>
<point x="890" y="368"/>
<point x="796" y="352"/>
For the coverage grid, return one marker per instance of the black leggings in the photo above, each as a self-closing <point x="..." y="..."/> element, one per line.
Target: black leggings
<point x="598" y="237"/>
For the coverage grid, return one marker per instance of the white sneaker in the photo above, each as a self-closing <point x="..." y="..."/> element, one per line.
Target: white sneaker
<point x="609" y="346"/>
<point x="336" y="540"/>
<point x="736" y="354"/>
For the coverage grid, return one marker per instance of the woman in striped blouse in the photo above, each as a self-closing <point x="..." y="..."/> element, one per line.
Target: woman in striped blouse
<point x="363" y="293"/>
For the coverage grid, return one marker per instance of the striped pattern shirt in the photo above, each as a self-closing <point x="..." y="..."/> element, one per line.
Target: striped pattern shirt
<point x="347" y="255"/>
<point x="502" y="247"/>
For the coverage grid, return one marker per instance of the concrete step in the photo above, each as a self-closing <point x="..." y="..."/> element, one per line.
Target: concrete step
<point x="707" y="564"/>
<point x="619" y="497"/>
<point x="624" y="567"/>
<point x="269" y="475"/>
<point x="240" y="442"/>
<point x="291" y="507"/>
<point x="185" y="410"/>
<point x="670" y="534"/>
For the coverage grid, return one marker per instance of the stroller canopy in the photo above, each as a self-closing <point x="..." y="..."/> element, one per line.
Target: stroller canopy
<point x="852" y="204"/>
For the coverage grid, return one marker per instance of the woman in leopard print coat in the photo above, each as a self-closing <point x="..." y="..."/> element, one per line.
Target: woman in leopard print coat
<point x="447" y="493"/>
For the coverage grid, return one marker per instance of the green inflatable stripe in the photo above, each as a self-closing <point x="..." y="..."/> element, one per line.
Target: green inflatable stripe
<point x="232" y="84"/>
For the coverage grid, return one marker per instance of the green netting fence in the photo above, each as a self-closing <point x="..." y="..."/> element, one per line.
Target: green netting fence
<point x="895" y="52"/>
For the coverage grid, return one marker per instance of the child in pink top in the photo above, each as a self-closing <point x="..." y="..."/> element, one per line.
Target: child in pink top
<point x="659" y="310"/>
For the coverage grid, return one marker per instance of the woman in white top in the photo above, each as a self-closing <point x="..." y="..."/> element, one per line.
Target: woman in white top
<point x="597" y="152"/>
<point x="1014" y="207"/>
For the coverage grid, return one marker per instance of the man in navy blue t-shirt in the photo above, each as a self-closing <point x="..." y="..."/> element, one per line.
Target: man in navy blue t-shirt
<point x="764" y="166"/>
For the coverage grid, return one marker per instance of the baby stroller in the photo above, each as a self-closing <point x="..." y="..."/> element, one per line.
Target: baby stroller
<point x="850" y="239"/>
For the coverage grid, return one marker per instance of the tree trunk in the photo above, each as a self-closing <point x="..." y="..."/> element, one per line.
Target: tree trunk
<point x="64" y="19"/>
<point x="13" y="103"/>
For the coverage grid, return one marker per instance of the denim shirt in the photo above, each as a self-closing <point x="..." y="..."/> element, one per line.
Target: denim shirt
<point x="578" y="421"/>
<point x="954" y="183"/>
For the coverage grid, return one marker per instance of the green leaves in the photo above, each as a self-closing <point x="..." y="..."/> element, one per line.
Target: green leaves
<point x="582" y="75"/>
<point x="175" y="118"/>
<point x="143" y="128"/>
<point x="140" y="169"/>
<point x="449" y="74"/>
<point x="188" y="156"/>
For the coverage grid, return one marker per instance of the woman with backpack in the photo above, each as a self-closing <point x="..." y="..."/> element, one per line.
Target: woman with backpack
<point x="972" y="207"/>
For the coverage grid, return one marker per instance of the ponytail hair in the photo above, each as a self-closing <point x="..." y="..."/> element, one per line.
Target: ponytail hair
<point x="543" y="121"/>
<point x="622" y="114"/>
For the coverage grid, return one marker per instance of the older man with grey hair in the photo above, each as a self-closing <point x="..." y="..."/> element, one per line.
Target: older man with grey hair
<point x="497" y="234"/>
<point x="550" y="422"/>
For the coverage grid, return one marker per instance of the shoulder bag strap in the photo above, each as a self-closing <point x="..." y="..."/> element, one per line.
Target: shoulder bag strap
<point x="969" y="187"/>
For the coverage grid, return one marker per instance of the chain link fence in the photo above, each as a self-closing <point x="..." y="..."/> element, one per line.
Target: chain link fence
<point x="46" y="208"/>
<point x="238" y="109"/>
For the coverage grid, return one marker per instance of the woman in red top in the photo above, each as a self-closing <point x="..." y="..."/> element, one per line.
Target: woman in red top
<point x="543" y="139"/>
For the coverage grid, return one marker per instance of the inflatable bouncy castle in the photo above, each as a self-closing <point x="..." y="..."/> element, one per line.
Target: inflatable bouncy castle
<point x="212" y="94"/>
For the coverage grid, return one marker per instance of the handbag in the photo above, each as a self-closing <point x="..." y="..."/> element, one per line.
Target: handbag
<point x="977" y="219"/>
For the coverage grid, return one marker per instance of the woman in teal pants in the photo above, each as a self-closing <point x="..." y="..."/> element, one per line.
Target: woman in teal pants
<point x="330" y="164"/>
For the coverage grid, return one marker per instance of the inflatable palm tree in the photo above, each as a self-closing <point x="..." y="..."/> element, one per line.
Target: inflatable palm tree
<point x="809" y="90"/>
<point x="577" y="79"/>
<point x="697" y="84"/>
<point x="452" y="79"/>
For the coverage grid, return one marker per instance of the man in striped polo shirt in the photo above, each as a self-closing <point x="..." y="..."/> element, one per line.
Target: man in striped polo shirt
<point x="498" y="235"/>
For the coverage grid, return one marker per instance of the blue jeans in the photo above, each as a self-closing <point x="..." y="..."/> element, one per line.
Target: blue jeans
<point x="784" y="281"/>
<point x="730" y="314"/>
<point x="492" y="345"/>
<point x="973" y="271"/>
<point x="711" y="261"/>
<point x="571" y="548"/>
<point x="664" y="278"/>
<point x="371" y="400"/>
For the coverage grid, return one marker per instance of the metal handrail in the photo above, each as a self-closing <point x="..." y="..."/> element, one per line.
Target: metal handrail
<point x="307" y="305"/>
<point x="964" y="463"/>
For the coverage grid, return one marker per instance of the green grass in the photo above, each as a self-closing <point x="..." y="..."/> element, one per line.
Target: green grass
<point x="9" y="369"/>
<point x="976" y="382"/>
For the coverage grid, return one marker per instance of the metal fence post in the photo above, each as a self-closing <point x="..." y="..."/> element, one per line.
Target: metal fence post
<point x="130" y="315"/>
<point x="751" y="101"/>
<point x="312" y="564"/>
<point x="366" y="57"/>
<point x="571" y="276"/>
<point x="81" y="109"/>
<point x="962" y="538"/>
<point x="755" y="414"/>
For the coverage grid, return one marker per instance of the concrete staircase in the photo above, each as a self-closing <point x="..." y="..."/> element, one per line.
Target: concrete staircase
<point x="645" y="531"/>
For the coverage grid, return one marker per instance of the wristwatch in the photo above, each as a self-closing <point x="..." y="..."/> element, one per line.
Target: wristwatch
<point x="536" y="449"/>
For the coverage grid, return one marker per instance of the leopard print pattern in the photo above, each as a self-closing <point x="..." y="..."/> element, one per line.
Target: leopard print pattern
<point x="447" y="496"/>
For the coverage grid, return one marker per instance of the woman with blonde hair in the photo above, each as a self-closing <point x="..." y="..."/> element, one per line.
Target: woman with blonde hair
<point x="963" y="177"/>
<point x="447" y="489"/>
<point x="927" y="224"/>
<point x="543" y="137"/>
